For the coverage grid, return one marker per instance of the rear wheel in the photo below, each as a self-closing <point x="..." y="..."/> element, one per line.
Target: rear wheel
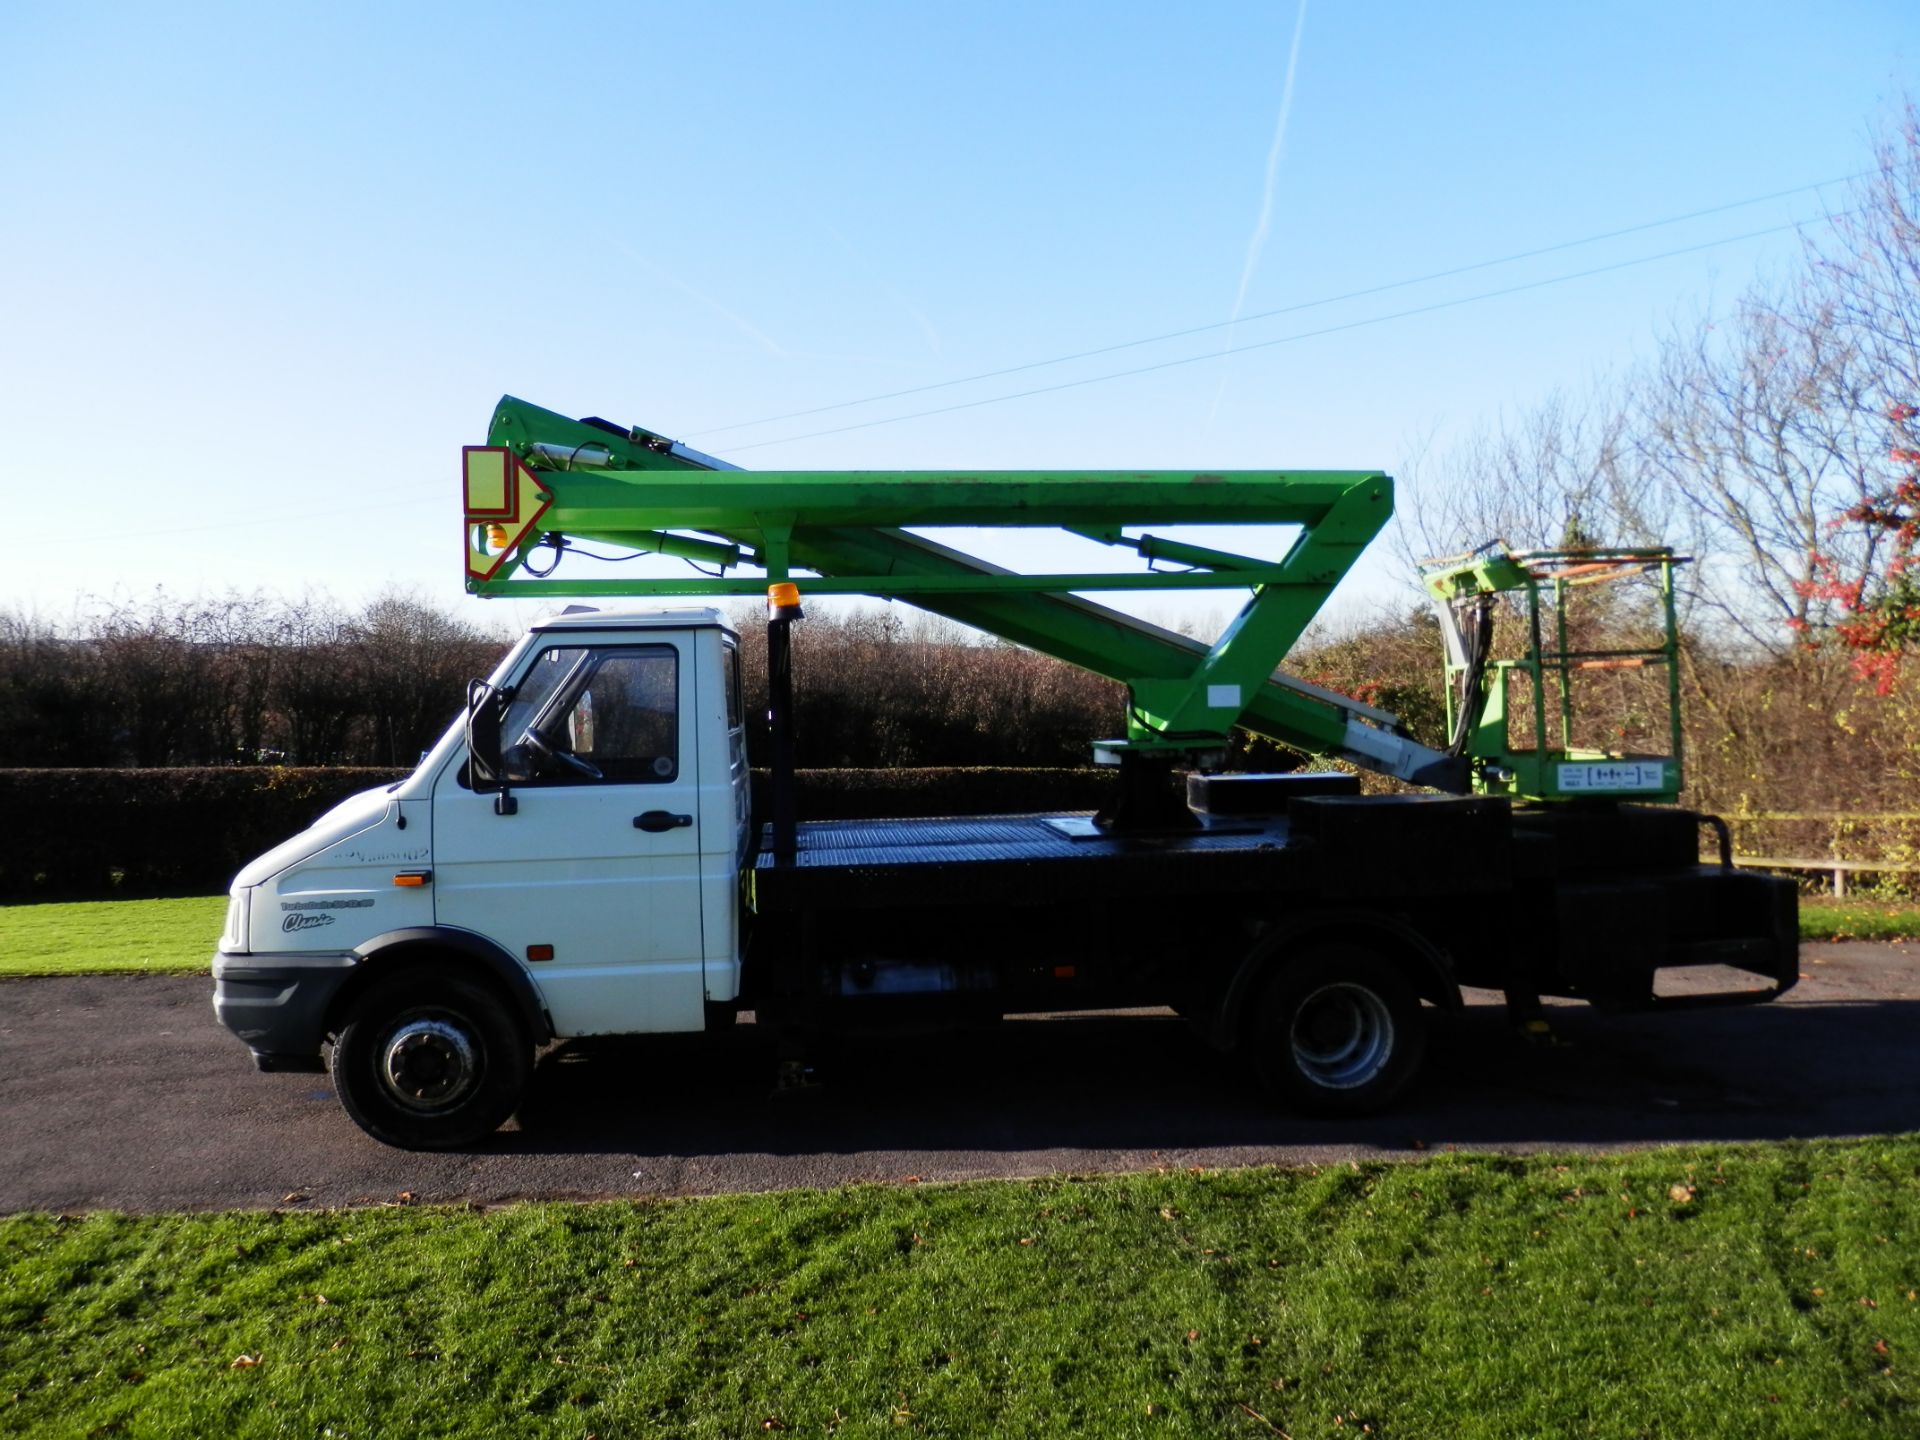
<point x="428" y="1059"/>
<point x="1337" y="1031"/>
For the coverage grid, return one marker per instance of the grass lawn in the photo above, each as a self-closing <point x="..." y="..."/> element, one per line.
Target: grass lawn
<point x="1858" y="920"/>
<point x="100" y="936"/>
<point x="177" y="936"/>
<point x="1756" y="1291"/>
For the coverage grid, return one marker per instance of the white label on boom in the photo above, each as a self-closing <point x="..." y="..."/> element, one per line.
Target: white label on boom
<point x="1613" y="775"/>
<point x="1223" y="697"/>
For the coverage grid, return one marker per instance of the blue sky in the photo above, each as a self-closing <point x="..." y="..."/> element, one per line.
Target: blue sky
<point x="269" y="267"/>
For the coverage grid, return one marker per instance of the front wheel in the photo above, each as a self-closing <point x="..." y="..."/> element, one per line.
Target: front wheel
<point x="430" y="1060"/>
<point x="1337" y="1031"/>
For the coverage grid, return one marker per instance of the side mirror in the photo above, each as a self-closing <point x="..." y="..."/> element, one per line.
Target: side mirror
<point x="486" y="709"/>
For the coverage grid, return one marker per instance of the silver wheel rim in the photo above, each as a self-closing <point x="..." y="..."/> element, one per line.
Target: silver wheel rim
<point x="429" y="1065"/>
<point x="1342" y="1036"/>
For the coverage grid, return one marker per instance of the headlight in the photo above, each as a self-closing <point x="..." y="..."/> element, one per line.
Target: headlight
<point x="233" y="939"/>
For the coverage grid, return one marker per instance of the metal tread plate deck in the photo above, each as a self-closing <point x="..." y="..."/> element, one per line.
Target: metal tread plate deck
<point x="880" y="863"/>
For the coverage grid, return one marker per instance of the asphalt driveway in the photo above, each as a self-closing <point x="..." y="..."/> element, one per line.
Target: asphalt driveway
<point x="123" y="1092"/>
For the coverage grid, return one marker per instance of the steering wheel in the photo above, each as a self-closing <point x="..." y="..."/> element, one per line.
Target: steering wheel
<point x="537" y="743"/>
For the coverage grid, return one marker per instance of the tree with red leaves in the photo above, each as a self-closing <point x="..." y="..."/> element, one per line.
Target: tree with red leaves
<point x="1868" y="273"/>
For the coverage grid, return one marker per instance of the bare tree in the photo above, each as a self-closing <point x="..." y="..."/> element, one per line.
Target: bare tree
<point x="52" y="711"/>
<point x="413" y="662"/>
<point x="1754" y="426"/>
<point x="1566" y="471"/>
<point x="315" y="688"/>
<point x="1786" y="429"/>
<point x="240" y="630"/>
<point x="158" y="677"/>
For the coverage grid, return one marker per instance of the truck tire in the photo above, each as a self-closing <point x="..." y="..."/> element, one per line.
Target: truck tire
<point x="1336" y="1031"/>
<point x="430" y="1059"/>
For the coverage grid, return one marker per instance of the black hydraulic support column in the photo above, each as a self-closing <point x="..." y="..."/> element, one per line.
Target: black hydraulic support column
<point x="1145" y="797"/>
<point x="780" y="721"/>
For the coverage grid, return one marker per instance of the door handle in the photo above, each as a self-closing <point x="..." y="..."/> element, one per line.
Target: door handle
<point x="656" y="822"/>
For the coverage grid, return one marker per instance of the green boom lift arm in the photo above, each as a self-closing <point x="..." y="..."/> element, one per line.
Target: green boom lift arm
<point x="544" y="481"/>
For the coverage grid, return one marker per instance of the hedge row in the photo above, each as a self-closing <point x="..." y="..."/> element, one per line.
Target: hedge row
<point x="83" y="833"/>
<point x="96" y="833"/>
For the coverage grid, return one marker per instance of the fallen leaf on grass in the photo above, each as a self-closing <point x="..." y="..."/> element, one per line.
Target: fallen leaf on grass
<point x="1682" y="1194"/>
<point x="1262" y="1419"/>
<point x="244" y="1362"/>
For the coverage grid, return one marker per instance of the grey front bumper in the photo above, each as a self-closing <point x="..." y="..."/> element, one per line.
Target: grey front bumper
<point x="278" y="1004"/>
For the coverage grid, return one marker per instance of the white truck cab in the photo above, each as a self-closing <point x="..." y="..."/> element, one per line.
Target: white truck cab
<point x="439" y="928"/>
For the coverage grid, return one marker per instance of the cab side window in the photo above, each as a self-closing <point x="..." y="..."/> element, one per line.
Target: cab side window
<point x="615" y="711"/>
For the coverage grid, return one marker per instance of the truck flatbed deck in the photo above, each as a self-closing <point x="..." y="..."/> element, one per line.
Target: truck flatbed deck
<point x="1029" y="859"/>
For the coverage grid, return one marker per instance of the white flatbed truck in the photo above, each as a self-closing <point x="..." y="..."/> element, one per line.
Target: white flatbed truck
<point x="577" y="854"/>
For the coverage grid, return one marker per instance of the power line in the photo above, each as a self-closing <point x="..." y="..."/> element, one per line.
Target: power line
<point x="1278" y="340"/>
<point x="258" y="520"/>
<point x="1174" y="335"/>
<point x="1283" y="310"/>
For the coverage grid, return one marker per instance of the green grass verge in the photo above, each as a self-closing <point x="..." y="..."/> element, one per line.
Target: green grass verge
<point x="177" y="936"/>
<point x="1738" y="1291"/>
<point x="1858" y="920"/>
<point x="104" y="936"/>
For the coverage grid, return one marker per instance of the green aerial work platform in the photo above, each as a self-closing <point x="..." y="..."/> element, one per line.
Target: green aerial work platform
<point x="544" y="481"/>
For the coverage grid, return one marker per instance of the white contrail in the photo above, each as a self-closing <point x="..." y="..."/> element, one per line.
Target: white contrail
<point x="740" y="322"/>
<point x="1257" y="242"/>
<point x="914" y="313"/>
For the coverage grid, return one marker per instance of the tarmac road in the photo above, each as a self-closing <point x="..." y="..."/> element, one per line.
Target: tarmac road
<point x="122" y="1092"/>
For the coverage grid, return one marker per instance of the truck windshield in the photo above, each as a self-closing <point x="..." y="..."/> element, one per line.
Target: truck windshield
<point x="550" y="670"/>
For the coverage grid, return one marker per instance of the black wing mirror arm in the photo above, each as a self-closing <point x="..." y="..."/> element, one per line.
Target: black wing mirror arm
<point x="483" y="731"/>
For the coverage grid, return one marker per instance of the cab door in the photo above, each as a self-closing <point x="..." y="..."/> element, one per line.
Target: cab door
<point x="594" y="880"/>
